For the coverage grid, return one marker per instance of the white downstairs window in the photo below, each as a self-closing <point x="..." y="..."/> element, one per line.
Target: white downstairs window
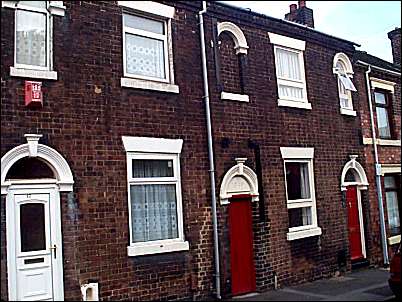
<point x="300" y="193"/>
<point x="343" y="70"/>
<point x="154" y="195"/>
<point x="290" y="73"/>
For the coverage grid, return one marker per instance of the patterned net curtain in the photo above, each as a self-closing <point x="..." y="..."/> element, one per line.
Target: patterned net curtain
<point x="153" y="206"/>
<point x="145" y="46"/>
<point x="31" y="37"/>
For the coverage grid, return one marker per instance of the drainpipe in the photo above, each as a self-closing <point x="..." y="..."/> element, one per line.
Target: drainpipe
<point x="377" y="173"/>
<point x="210" y="150"/>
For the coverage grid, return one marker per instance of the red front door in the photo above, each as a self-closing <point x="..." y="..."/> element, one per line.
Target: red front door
<point x="355" y="242"/>
<point x="241" y="246"/>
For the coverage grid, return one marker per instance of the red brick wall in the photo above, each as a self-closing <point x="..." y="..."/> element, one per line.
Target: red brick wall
<point x="386" y="154"/>
<point x="86" y="126"/>
<point x="229" y="64"/>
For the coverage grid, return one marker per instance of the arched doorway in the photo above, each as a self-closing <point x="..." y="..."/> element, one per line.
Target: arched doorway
<point x="353" y="181"/>
<point x="239" y="188"/>
<point x="32" y="177"/>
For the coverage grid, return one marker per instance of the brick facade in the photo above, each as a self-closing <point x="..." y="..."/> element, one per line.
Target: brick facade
<point x="86" y="112"/>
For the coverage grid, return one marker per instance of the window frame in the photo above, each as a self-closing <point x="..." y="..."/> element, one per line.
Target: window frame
<point x="388" y="107"/>
<point x="145" y="34"/>
<point x="347" y="72"/>
<point x="292" y="82"/>
<point x="397" y="179"/>
<point x="302" y="203"/>
<point x="164" y="245"/>
<point x="48" y="15"/>
<point x="301" y="155"/>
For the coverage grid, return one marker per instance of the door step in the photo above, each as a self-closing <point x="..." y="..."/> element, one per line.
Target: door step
<point x="360" y="263"/>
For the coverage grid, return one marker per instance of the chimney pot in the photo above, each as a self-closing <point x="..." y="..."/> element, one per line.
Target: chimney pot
<point x="302" y="4"/>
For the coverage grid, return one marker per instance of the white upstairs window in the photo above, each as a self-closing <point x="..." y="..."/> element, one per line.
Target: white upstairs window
<point x="290" y="73"/>
<point x="147" y="46"/>
<point x="343" y="70"/>
<point x="33" y="33"/>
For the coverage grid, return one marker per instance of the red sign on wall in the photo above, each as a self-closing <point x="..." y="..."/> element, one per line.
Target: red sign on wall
<point x="33" y="93"/>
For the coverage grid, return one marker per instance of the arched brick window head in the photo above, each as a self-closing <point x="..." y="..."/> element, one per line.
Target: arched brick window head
<point x="231" y="65"/>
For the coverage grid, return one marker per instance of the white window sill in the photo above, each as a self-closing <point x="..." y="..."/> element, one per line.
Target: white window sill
<point x="304" y="234"/>
<point x="382" y="142"/>
<point x="234" y="97"/>
<point x="149" y="85"/>
<point x="394" y="240"/>
<point x="346" y="111"/>
<point x="157" y="248"/>
<point x="294" y="104"/>
<point x="33" y="73"/>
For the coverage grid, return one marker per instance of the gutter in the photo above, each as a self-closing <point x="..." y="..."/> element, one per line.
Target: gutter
<point x="210" y="150"/>
<point x="379" y="68"/>
<point x="377" y="173"/>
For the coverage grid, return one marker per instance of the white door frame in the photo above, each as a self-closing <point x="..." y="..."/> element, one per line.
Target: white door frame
<point x="360" y="210"/>
<point x="56" y="237"/>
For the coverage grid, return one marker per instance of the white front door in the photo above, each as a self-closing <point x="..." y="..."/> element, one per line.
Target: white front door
<point x="35" y="247"/>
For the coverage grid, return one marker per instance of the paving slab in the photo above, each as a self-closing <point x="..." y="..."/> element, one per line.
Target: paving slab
<point x="362" y="285"/>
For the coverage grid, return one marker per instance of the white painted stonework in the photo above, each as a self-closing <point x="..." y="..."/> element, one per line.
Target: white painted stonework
<point x="237" y="35"/>
<point x="56" y="162"/>
<point x="240" y="179"/>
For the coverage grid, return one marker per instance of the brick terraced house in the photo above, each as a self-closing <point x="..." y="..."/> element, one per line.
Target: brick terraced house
<point x="188" y="150"/>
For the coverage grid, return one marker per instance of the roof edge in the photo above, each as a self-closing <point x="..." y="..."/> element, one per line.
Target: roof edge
<point x="283" y="21"/>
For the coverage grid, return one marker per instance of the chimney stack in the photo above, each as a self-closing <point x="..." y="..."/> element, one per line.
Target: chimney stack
<point x="302" y="14"/>
<point x="395" y="37"/>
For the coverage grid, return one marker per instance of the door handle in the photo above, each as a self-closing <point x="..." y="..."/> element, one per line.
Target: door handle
<point x="53" y="248"/>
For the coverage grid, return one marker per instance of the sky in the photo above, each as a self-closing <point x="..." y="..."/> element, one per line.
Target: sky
<point x="364" y="22"/>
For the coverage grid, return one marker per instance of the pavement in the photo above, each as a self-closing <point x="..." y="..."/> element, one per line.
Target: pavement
<point x="369" y="284"/>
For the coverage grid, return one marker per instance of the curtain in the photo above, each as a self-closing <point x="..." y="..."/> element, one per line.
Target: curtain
<point x="152" y="168"/>
<point x="287" y="92"/>
<point x="382" y="122"/>
<point x="306" y="216"/>
<point x="393" y="212"/>
<point x="304" y="181"/>
<point x="391" y="198"/>
<point x="154" y="213"/>
<point x="31" y="38"/>
<point x="288" y="64"/>
<point x="145" y="56"/>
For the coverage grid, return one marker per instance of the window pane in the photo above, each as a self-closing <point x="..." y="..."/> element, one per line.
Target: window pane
<point x="37" y="4"/>
<point x="350" y="176"/>
<point x="389" y="182"/>
<point x="144" y="24"/>
<point x="32" y="227"/>
<point x="289" y="92"/>
<point x="31" y="38"/>
<point x="379" y="98"/>
<point x="145" y="56"/>
<point x="393" y="212"/>
<point x="382" y="122"/>
<point x="347" y="83"/>
<point x="297" y="181"/>
<point x="152" y="168"/>
<point x="154" y="213"/>
<point x="299" y="217"/>
<point x="288" y="64"/>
